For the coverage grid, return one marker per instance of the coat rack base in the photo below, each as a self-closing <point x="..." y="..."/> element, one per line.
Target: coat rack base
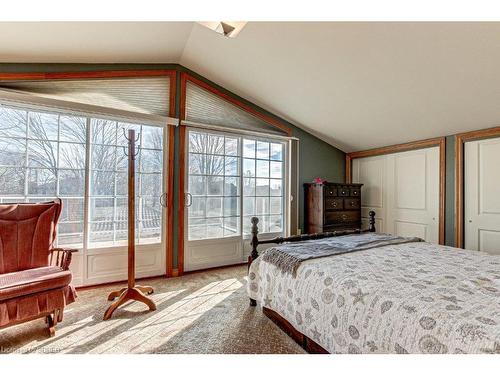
<point x="137" y="293"/>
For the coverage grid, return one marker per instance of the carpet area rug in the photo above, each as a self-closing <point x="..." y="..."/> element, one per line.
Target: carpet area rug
<point x="205" y="312"/>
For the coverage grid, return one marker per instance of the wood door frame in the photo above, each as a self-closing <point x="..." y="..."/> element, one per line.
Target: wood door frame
<point x="185" y="78"/>
<point x="433" y="142"/>
<point x="460" y="140"/>
<point x="97" y="74"/>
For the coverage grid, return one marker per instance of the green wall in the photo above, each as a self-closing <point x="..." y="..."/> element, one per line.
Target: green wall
<point x="316" y="157"/>
<point x="450" y="192"/>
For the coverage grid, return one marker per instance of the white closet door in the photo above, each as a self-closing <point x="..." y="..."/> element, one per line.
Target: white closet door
<point x="413" y="194"/>
<point x="371" y="172"/>
<point x="403" y="190"/>
<point x="482" y="198"/>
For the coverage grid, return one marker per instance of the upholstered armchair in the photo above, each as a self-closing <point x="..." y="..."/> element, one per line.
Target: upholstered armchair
<point x="34" y="277"/>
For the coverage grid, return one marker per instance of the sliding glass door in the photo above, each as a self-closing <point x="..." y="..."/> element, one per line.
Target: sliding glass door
<point x="230" y="179"/>
<point x="81" y="159"/>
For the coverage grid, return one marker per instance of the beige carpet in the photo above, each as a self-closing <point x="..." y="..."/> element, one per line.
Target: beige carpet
<point x="203" y="312"/>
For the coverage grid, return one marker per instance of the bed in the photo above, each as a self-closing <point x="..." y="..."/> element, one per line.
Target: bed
<point x="413" y="297"/>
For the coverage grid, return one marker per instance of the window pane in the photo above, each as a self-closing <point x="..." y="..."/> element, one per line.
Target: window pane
<point x="197" y="229"/>
<point x="12" y="181"/>
<point x="248" y="168"/>
<point x="12" y="122"/>
<point x="72" y="210"/>
<point x="41" y="182"/>
<point x="103" y="132"/>
<point x="214" y="165"/>
<point x="231" y="168"/>
<point x="248" y="148"/>
<point x="197" y="142"/>
<point x="42" y="154"/>
<point x="249" y="186"/>
<point x="12" y="152"/>
<point x="71" y="182"/>
<point x="103" y="157"/>
<point x="276" y="205"/>
<point x="197" y="185"/>
<point x="262" y="150"/>
<point x="197" y="208"/>
<point x="275" y="223"/>
<point x="249" y="206"/>
<point x="214" y="185"/>
<point x="215" y="144"/>
<point x="231" y="186"/>
<point x="102" y="183"/>
<point x="262" y="205"/>
<point x="102" y="209"/>
<point x="151" y="160"/>
<point x="71" y="155"/>
<point x="276" y="169"/>
<point x="276" y="188"/>
<point x="262" y="187"/>
<point x="276" y="151"/>
<point x="150" y="184"/>
<point x="43" y="126"/>
<point x="231" y="146"/>
<point x="215" y="228"/>
<point x="122" y="183"/>
<point x="73" y="129"/>
<point x="231" y="226"/>
<point x="231" y="206"/>
<point x="70" y="235"/>
<point x="197" y="164"/>
<point x="152" y="137"/>
<point x="121" y="210"/>
<point x="101" y="234"/>
<point x="122" y="160"/>
<point x="262" y="168"/>
<point x="214" y="207"/>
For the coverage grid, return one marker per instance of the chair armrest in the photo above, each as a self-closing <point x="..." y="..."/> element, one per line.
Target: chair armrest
<point x="61" y="257"/>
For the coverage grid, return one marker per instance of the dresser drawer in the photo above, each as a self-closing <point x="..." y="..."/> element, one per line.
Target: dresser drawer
<point x="352" y="203"/>
<point x="334" y="204"/>
<point x="343" y="191"/>
<point x="330" y="191"/>
<point x="333" y="217"/>
<point x="355" y="192"/>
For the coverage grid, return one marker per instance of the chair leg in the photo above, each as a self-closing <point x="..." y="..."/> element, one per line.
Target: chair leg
<point x="52" y="321"/>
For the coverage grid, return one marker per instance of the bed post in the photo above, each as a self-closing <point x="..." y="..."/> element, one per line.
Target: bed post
<point x="371" y="221"/>
<point x="254" y="242"/>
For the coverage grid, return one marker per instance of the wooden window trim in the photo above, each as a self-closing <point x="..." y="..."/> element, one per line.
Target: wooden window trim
<point x="172" y="74"/>
<point x="440" y="142"/>
<point x="460" y="140"/>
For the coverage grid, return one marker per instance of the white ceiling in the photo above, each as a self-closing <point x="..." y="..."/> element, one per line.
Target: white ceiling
<point x="356" y="85"/>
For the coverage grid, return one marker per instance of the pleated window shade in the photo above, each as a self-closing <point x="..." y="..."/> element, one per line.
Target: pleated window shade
<point x="204" y="107"/>
<point x="148" y="97"/>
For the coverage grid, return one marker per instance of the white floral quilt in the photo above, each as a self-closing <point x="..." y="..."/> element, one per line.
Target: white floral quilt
<point x="407" y="298"/>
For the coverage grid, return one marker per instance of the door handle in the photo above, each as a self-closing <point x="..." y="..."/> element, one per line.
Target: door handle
<point x="190" y="199"/>
<point x="163" y="200"/>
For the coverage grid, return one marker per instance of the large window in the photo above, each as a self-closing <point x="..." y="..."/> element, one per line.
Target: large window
<point x="231" y="179"/>
<point x="45" y="155"/>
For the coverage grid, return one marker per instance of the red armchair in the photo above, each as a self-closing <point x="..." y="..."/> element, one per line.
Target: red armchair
<point x="34" y="277"/>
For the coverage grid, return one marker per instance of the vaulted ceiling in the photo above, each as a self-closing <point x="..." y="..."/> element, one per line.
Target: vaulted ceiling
<point x="356" y="85"/>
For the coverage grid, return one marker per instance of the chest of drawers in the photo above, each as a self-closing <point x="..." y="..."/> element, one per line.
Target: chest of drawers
<point x="332" y="206"/>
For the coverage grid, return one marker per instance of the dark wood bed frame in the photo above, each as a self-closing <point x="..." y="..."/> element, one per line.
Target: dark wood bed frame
<point x="305" y="342"/>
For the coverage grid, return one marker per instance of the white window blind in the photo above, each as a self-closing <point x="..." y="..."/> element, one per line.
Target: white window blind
<point x="143" y="99"/>
<point x="204" y="107"/>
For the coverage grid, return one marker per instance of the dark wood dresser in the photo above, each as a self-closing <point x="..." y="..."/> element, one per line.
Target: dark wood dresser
<point x="332" y="206"/>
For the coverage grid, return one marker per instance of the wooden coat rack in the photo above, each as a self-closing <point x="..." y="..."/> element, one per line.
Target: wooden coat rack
<point x="132" y="292"/>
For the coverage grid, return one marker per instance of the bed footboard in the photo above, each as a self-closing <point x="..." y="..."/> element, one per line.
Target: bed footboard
<point x="255" y="242"/>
